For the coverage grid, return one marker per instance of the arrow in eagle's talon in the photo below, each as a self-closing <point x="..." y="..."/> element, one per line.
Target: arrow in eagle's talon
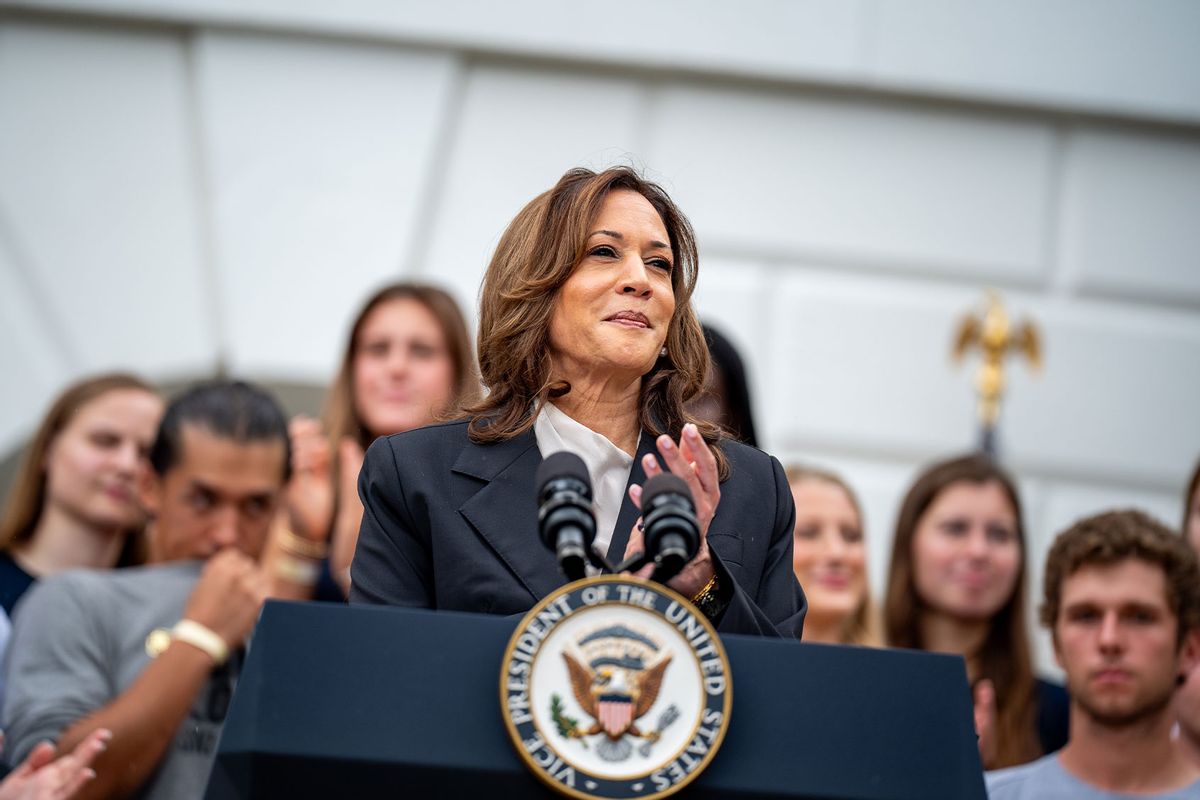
<point x="664" y="721"/>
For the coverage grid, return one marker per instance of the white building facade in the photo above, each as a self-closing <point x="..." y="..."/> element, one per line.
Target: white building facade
<point x="193" y="182"/>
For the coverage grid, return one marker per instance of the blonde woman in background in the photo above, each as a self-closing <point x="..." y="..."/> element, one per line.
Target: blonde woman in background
<point x="408" y="362"/>
<point x="830" y="560"/>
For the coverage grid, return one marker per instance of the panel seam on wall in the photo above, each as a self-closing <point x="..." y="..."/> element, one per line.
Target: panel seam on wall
<point x="645" y="118"/>
<point x="436" y="174"/>
<point x="1042" y="469"/>
<point x="841" y="79"/>
<point x="1101" y="289"/>
<point x="942" y="270"/>
<point x="202" y="181"/>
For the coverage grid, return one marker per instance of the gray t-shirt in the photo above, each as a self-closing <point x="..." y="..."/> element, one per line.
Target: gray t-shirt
<point x="1045" y="779"/>
<point x="79" y="641"/>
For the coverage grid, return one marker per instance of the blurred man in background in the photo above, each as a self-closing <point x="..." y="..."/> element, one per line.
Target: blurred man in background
<point x="1122" y="600"/>
<point x="152" y="653"/>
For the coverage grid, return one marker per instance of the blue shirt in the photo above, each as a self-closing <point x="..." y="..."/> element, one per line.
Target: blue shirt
<point x="1045" y="779"/>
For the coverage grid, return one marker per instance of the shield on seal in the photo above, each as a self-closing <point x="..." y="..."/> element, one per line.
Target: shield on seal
<point x="615" y="713"/>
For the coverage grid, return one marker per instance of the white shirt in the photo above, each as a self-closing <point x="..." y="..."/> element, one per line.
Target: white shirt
<point x="608" y="465"/>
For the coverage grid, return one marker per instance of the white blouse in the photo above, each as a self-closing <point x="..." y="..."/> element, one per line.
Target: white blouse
<point x="608" y="465"/>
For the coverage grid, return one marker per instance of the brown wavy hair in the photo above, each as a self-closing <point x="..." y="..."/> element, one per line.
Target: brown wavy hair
<point x="27" y="498"/>
<point x="537" y="253"/>
<point x="1005" y="657"/>
<point x="341" y="415"/>
<point x="863" y="626"/>
<point x="1115" y="536"/>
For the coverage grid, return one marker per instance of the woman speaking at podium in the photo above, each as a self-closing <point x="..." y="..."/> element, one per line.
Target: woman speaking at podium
<point x="588" y="343"/>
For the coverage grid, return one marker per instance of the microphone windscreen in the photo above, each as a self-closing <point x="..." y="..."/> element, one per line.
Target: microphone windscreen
<point x="665" y="483"/>
<point x="563" y="464"/>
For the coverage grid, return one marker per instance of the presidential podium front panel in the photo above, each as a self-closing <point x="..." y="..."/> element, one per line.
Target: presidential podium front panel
<point x="338" y="701"/>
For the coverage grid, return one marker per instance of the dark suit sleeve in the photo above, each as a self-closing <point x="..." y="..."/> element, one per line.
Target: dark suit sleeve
<point x="779" y="606"/>
<point x="391" y="563"/>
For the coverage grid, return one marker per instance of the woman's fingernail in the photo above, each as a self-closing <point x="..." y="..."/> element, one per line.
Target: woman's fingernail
<point x="665" y="443"/>
<point x="691" y="430"/>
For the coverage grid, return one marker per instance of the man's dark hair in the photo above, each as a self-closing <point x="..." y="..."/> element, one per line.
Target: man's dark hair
<point x="232" y="410"/>
<point x="1115" y="536"/>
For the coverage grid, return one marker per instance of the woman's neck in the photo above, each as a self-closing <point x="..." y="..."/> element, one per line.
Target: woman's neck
<point x="942" y="633"/>
<point x="63" y="541"/>
<point x="607" y="406"/>
<point x="825" y="629"/>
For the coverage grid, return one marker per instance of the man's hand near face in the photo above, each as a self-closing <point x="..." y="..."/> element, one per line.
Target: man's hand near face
<point x="228" y="597"/>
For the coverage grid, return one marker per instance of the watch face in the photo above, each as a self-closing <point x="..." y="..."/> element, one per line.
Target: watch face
<point x="615" y="687"/>
<point x="157" y="641"/>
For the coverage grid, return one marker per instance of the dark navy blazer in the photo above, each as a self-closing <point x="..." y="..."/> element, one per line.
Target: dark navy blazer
<point x="452" y="524"/>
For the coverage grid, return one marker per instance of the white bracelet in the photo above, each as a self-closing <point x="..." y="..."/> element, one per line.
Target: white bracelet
<point x="296" y="570"/>
<point x="202" y="638"/>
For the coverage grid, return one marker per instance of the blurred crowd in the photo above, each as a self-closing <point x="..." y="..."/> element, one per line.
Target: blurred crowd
<point x="251" y="505"/>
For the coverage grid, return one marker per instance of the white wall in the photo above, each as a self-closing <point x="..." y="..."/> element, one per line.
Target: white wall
<point x="188" y="181"/>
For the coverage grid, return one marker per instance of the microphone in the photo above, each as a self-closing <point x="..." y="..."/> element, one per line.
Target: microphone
<point x="669" y="525"/>
<point x="566" y="523"/>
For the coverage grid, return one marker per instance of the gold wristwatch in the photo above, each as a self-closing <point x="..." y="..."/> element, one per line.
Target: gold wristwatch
<point x="708" y="600"/>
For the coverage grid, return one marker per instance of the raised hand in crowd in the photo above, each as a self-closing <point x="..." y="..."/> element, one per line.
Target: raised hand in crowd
<point x="322" y="512"/>
<point x="349" y="511"/>
<point x="309" y="497"/>
<point x="44" y="775"/>
<point x="984" y="696"/>
<point x="299" y="538"/>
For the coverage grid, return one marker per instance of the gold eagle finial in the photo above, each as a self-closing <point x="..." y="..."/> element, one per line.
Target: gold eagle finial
<point x="995" y="337"/>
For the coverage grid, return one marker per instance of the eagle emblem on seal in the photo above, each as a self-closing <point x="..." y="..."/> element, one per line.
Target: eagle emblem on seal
<point x="616" y="676"/>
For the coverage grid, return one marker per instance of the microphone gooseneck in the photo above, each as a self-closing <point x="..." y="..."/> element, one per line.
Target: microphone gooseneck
<point x="566" y="523"/>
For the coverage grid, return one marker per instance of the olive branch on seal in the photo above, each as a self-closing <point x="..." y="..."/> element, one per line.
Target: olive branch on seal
<point x="567" y="726"/>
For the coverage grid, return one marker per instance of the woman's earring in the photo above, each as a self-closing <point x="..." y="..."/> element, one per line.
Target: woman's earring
<point x="662" y="353"/>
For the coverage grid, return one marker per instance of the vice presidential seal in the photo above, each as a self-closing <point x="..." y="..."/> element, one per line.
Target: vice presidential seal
<point x="615" y="687"/>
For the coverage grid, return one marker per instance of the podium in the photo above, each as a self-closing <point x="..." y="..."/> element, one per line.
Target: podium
<point x="338" y="701"/>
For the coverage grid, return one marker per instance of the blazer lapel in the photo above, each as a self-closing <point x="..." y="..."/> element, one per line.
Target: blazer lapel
<point x="629" y="512"/>
<point x="504" y="511"/>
